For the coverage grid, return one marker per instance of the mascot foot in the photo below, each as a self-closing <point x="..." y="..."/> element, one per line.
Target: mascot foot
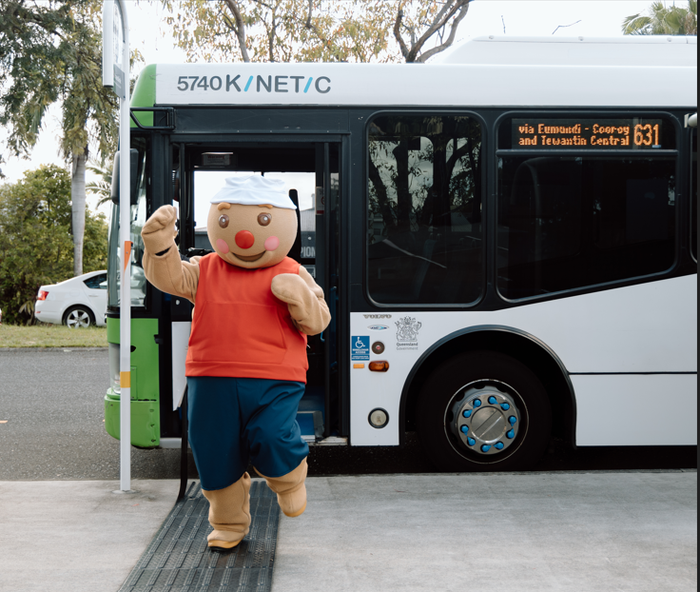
<point x="221" y="540"/>
<point x="285" y="503"/>
<point x="229" y="513"/>
<point x="290" y="490"/>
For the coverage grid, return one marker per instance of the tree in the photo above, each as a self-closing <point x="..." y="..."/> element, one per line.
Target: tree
<point x="315" y="30"/>
<point x="663" y="20"/>
<point x="102" y="185"/>
<point x="36" y="245"/>
<point x="49" y="52"/>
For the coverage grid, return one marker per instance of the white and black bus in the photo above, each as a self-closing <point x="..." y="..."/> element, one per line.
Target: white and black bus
<point x="506" y="237"/>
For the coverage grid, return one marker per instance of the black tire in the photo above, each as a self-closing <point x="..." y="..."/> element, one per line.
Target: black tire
<point x="78" y="317"/>
<point x="490" y="399"/>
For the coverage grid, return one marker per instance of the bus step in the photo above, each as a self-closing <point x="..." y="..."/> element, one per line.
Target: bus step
<point x="311" y="424"/>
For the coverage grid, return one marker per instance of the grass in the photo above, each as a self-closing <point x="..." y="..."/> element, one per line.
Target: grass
<point x="45" y="335"/>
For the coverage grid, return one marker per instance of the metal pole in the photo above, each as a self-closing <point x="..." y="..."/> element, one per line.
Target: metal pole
<point x="125" y="288"/>
<point x="115" y="74"/>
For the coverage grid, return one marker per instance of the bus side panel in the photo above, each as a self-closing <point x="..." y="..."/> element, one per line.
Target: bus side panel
<point x="614" y="410"/>
<point x="646" y="329"/>
<point x="145" y="388"/>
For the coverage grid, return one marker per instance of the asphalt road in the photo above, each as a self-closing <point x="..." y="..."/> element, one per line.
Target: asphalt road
<point x="51" y="428"/>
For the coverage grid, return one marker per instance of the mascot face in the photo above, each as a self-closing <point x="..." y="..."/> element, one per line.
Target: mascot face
<point x="251" y="236"/>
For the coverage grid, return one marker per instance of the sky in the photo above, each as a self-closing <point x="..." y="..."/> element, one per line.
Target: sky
<point x="593" y="18"/>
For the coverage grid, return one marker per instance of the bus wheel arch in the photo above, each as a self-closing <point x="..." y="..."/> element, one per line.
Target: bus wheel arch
<point x="512" y="348"/>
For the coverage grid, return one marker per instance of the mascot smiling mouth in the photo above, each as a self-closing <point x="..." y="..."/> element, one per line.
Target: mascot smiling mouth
<point x="249" y="258"/>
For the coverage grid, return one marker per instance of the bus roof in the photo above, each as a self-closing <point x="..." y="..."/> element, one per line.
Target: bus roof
<point x="633" y="71"/>
<point x="630" y="50"/>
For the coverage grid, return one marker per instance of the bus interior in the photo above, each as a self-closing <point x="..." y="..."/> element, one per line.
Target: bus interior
<point x="307" y="168"/>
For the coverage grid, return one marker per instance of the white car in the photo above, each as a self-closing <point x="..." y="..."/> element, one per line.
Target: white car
<point x="78" y="302"/>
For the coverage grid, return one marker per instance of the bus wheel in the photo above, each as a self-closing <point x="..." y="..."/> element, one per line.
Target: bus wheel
<point x="483" y="411"/>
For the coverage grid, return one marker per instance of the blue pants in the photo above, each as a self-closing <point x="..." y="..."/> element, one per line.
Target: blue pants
<point x="237" y="421"/>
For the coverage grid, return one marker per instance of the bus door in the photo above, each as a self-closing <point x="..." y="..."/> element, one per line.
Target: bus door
<point x="311" y="172"/>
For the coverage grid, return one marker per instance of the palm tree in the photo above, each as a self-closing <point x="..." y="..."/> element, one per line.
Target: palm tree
<point x="102" y="186"/>
<point x="51" y="52"/>
<point x="663" y="20"/>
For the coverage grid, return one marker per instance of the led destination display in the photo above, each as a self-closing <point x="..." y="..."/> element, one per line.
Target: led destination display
<point x="606" y="134"/>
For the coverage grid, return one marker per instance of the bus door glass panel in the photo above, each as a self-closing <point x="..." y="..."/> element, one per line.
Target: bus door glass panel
<point x="322" y="378"/>
<point x="694" y="194"/>
<point x="138" y="216"/>
<point x="567" y="222"/>
<point x="424" y="209"/>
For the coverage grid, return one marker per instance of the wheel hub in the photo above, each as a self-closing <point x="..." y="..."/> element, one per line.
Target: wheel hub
<point x="78" y="318"/>
<point x="486" y="420"/>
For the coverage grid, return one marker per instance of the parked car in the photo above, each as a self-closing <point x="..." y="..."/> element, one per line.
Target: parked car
<point x="78" y="302"/>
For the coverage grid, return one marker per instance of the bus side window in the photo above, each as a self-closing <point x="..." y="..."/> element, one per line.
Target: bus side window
<point x="424" y="237"/>
<point x="568" y="222"/>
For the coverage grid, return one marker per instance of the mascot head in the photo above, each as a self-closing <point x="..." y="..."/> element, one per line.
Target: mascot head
<point x="252" y="222"/>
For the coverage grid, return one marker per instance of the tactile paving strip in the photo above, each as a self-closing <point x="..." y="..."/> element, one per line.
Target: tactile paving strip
<point x="178" y="559"/>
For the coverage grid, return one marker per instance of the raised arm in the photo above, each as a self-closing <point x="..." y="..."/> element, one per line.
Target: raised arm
<point x="161" y="259"/>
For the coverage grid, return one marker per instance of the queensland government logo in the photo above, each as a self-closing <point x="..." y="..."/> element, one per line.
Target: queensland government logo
<point x="407" y="333"/>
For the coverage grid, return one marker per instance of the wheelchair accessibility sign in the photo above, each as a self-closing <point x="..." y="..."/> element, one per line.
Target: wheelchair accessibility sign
<point x="360" y="348"/>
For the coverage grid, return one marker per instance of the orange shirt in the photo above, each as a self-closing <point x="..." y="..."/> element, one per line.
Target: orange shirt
<point x="240" y="329"/>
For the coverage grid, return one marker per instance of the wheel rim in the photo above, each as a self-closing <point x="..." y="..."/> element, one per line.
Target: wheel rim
<point x="78" y="319"/>
<point x="484" y="421"/>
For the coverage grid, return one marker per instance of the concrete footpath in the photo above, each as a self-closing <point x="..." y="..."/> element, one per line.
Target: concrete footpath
<point x="564" y="532"/>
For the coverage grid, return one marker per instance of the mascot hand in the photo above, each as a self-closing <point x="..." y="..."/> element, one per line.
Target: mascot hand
<point x="159" y="230"/>
<point x="290" y="288"/>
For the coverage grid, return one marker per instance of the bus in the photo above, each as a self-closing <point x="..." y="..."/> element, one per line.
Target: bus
<point x="506" y="237"/>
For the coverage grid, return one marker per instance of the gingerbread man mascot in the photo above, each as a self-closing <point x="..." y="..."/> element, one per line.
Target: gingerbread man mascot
<point x="246" y="360"/>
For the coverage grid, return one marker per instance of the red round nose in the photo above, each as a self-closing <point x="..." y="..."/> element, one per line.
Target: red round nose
<point x="245" y="239"/>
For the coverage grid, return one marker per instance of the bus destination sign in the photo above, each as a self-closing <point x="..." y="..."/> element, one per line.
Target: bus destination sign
<point x="606" y="134"/>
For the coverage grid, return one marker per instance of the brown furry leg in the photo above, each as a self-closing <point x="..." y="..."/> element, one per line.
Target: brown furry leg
<point x="290" y="490"/>
<point x="229" y="513"/>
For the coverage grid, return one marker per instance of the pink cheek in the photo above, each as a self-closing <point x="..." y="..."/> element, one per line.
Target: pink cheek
<point x="272" y="243"/>
<point x="222" y="246"/>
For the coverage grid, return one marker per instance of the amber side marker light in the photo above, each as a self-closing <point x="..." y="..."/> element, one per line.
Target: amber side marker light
<point x="379" y="366"/>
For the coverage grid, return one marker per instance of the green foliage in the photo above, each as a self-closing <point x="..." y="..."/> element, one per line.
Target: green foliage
<point x="314" y="30"/>
<point x="52" y="51"/>
<point x="36" y="245"/>
<point x="664" y="20"/>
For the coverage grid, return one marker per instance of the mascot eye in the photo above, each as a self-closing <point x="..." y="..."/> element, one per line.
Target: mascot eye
<point x="223" y="220"/>
<point x="264" y="219"/>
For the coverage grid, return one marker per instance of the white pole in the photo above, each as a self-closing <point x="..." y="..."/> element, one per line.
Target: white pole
<point x="125" y="292"/>
<point x="115" y="74"/>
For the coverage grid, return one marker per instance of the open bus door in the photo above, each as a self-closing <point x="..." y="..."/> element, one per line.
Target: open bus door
<point x="311" y="172"/>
